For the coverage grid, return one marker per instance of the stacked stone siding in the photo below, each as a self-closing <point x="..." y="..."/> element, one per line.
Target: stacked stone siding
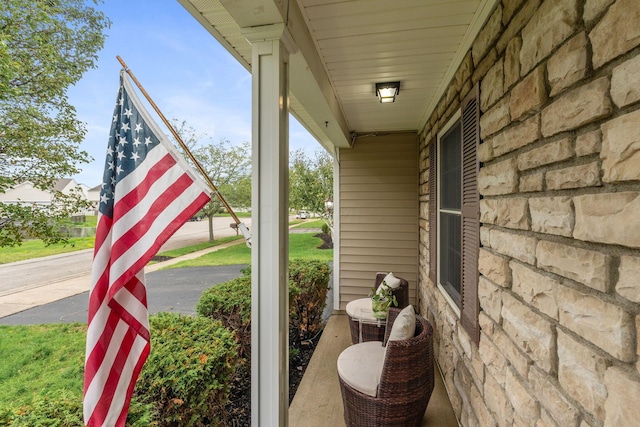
<point x="559" y="262"/>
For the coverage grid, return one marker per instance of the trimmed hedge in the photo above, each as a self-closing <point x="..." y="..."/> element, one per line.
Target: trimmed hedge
<point x="308" y="287"/>
<point x="230" y="302"/>
<point x="188" y="374"/>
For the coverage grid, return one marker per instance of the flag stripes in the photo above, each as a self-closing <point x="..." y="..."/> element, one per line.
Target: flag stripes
<point x="148" y="192"/>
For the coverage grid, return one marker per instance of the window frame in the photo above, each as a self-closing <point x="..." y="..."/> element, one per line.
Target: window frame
<point x="456" y="119"/>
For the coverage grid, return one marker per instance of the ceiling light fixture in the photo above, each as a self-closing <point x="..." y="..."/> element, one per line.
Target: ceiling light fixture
<point x="386" y="92"/>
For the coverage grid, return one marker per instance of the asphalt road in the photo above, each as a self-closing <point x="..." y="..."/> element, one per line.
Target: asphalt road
<point x="175" y="290"/>
<point x="38" y="272"/>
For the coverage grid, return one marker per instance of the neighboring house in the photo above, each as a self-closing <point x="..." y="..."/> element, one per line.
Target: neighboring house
<point x="26" y="192"/>
<point x="93" y="195"/>
<point x="503" y="183"/>
<point x="85" y="190"/>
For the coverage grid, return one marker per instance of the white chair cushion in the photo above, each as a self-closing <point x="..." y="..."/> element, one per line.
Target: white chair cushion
<point x="360" y="366"/>
<point x="404" y="327"/>
<point x="392" y="281"/>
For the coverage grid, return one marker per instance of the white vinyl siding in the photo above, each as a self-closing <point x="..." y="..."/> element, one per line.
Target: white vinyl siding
<point x="378" y="213"/>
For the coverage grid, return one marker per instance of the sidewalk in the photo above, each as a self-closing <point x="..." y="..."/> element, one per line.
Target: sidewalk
<point x="29" y="297"/>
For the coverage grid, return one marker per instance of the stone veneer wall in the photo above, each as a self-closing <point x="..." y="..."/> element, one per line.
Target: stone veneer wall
<point x="560" y="180"/>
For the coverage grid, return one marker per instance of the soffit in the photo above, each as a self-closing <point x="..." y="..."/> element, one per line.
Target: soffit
<point x="361" y="42"/>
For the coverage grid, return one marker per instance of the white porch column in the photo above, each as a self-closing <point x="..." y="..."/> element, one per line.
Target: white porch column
<point x="270" y="237"/>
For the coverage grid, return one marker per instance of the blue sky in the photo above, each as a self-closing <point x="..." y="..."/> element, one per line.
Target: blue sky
<point x="182" y="67"/>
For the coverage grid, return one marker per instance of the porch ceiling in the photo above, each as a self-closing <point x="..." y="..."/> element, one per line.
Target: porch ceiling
<point x="346" y="46"/>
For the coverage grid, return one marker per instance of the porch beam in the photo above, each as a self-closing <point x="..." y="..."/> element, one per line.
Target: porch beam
<point x="317" y="105"/>
<point x="312" y="88"/>
<point x="271" y="47"/>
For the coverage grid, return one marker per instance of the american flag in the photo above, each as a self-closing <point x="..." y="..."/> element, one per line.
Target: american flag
<point x="148" y="192"/>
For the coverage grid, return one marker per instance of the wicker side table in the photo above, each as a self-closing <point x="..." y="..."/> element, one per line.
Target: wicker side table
<point x="363" y="326"/>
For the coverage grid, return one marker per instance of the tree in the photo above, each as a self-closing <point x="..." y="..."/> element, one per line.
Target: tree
<point x="229" y="168"/>
<point x="189" y="136"/>
<point x="45" y="46"/>
<point x="310" y="180"/>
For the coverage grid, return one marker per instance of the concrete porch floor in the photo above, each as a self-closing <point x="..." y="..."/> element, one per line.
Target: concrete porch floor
<point x="318" y="402"/>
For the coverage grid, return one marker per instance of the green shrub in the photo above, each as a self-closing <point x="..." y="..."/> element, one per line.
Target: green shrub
<point x="62" y="409"/>
<point x="188" y="373"/>
<point x="308" y="284"/>
<point x="325" y="228"/>
<point x="230" y="302"/>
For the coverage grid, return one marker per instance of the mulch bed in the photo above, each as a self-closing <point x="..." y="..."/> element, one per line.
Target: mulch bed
<point x="238" y="410"/>
<point x="327" y="241"/>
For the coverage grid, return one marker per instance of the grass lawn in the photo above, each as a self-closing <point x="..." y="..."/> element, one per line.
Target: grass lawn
<point x="89" y="221"/>
<point x="41" y="358"/>
<point x="195" y="248"/>
<point x="302" y="245"/>
<point x="36" y="249"/>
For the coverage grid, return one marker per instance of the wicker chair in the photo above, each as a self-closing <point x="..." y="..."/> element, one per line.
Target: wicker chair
<point x="406" y="382"/>
<point x="373" y="332"/>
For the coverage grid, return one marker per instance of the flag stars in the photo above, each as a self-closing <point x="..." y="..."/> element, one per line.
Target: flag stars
<point x="104" y="198"/>
<point x="129" y="141"/>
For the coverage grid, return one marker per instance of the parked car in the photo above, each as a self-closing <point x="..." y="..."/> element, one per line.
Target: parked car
<point x="302" y="215"/>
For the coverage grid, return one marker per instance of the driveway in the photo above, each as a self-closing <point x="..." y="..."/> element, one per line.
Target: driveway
<point x="175" y="290"/>
<point x="38" y="272"/>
